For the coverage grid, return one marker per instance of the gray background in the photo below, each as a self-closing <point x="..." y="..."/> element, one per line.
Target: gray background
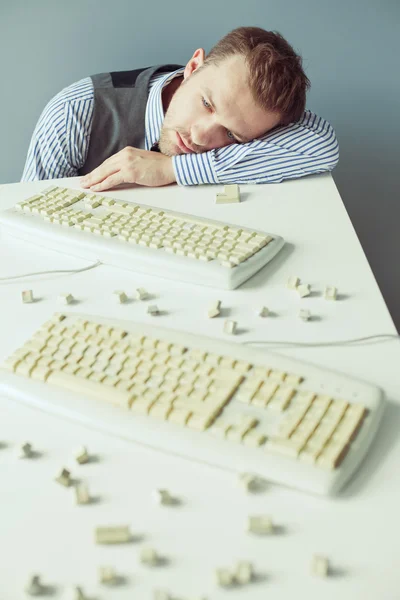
<point x="350" y="51"/>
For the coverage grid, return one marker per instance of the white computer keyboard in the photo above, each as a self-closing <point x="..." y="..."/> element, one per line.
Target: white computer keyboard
<point x="200" y="398"/>
<point x="141" y="238"/>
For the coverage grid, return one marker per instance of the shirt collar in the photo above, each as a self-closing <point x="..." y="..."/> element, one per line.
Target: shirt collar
<point x="154" y="109"/>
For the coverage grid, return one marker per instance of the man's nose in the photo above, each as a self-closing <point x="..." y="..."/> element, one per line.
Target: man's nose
<point x="201" y="136"/>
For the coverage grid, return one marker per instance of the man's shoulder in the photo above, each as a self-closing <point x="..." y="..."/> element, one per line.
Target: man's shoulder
<point x="77" y="91"/>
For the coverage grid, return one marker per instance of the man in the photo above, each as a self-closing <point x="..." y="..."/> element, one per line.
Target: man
<point x="235" y="116"/>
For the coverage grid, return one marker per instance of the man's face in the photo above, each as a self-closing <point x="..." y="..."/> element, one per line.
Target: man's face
<point x="213" y="108"/>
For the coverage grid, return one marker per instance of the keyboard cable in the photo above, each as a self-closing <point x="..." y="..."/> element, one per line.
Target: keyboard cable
<point x="92" y="266"/>
<point x="384" y="337"/>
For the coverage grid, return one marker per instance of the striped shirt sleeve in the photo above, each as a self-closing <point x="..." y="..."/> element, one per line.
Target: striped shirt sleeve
<point x="306" y="147"/>
<point x="60" y="141"/>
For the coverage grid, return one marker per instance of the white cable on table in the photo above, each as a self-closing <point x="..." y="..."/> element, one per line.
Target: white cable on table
<point x="387" y="336"/>
<point x="92" y="266"/>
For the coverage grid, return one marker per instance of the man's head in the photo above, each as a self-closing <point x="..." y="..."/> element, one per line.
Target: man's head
<point x="251" y="81"/>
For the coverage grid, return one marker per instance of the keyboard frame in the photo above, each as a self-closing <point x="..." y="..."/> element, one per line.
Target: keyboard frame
<point x="190" y="444"/>
<point x="135" y="257"/>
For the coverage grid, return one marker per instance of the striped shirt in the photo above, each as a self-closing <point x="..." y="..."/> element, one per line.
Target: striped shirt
<point x="60" y="143"/>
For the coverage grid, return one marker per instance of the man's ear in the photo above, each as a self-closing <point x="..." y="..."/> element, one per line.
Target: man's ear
<point x="195" y="62"/>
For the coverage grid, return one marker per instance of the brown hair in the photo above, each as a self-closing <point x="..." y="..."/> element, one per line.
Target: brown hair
<point x="276" y="77"/>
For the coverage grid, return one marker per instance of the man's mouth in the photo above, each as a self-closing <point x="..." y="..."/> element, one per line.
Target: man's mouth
<point x="182" y="145"/>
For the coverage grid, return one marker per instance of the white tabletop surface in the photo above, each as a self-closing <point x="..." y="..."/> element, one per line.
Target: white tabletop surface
<point x="43" y="531"/>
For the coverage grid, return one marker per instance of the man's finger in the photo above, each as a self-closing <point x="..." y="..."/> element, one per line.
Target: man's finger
<point x="109" y="182"/>
<point x="107" y="168"/>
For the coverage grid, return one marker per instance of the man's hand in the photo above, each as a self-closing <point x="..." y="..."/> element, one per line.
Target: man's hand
<point x="131" y="165"/>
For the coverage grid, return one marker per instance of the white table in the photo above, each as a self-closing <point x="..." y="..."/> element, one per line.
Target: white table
<point x="41" y="529"/>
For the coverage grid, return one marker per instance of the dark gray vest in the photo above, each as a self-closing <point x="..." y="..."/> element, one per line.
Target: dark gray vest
<point x="120" y="100"/>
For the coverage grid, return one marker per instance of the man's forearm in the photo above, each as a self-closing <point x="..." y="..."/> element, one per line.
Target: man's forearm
<point x="303" y="148"/>
<point x="194" y="169"/>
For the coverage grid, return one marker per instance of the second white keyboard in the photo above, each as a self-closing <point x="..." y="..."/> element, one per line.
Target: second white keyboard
<point x="203" y="399"/>
<point x="141" y="238"/>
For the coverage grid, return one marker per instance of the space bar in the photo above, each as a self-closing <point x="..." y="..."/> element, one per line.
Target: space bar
<point x="90" y="388"/>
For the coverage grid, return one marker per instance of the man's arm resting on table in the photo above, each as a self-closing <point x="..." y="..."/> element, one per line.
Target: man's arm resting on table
<point x="306" y="147"/>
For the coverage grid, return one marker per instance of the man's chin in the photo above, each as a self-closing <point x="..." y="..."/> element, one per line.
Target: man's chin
<point x="170" y="150"/>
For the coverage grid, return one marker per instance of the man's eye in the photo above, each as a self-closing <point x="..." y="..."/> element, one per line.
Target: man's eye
<point x="229" y="133"/>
